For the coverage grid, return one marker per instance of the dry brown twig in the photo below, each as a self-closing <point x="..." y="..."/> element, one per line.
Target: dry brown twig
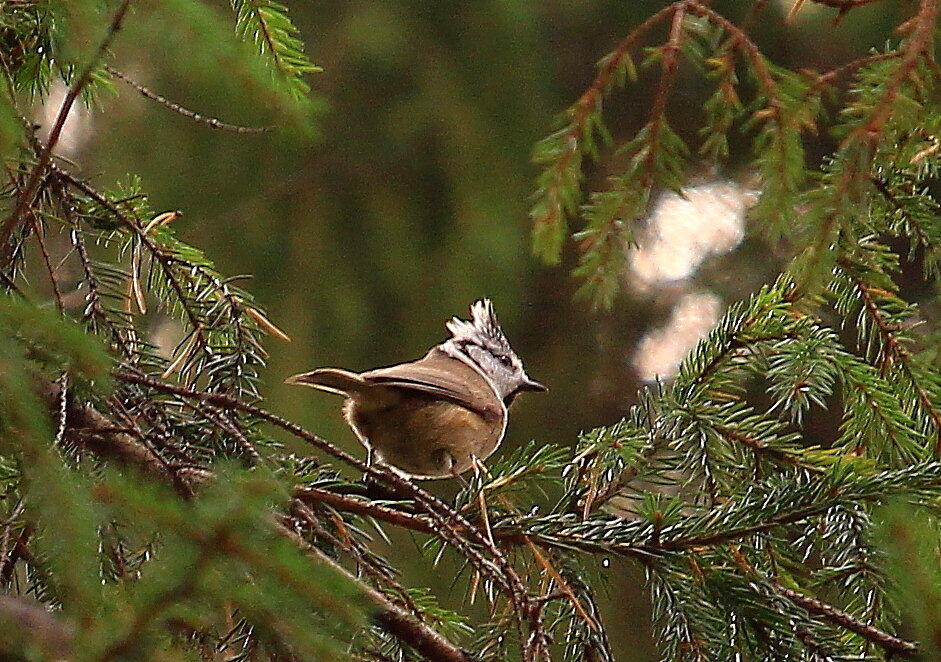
<point x="181" y="110"/>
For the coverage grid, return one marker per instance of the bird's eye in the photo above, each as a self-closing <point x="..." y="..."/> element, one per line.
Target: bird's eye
<point x="505" y="360"/>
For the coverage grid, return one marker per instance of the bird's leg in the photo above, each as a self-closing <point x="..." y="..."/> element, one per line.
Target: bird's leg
<point x="454" y="474"/>
<point x="374" y="488"/>
<point x="479" y="468"/>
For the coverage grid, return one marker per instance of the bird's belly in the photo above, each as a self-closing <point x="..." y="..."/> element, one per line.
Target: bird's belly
<point x="427" y="437"/>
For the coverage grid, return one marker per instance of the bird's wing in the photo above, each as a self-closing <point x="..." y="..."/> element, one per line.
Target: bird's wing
<point x="332" y="380"/>
<point x="442" y="377"/>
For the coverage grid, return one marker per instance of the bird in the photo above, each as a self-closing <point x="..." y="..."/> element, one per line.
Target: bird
<point x="441" y="415"/>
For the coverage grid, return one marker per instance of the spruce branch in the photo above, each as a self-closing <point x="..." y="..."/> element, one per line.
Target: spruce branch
<point x="103" y="439"/>
<point x="668" y="67"/>
<point x="561" y="153"/>
<point x="99" y="435"/>
<point x="266" y="24"/>
<point x="915" y="48"/>
<point x="25" y="198"/>
<point x="894" y="353"/>
<point x="165" y="261"/>
<point x="89" y="428"/>
<point x="829" y="77"/>
<point x="891" y="644"/>
<point x="844" y="5"/>
<point x="390" y="616"/>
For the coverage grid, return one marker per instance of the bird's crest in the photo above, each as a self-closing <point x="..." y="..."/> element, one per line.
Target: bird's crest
<point x="482" y="327"/>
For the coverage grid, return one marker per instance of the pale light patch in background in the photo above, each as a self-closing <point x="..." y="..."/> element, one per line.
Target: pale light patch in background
<point x="661" y="351"/>
<point x="78" y="125"/>
<point x="682" y="232"/>
<point x="166" y="335"/>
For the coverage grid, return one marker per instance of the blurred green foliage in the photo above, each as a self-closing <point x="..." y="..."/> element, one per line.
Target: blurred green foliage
<point x="386" y="201"/>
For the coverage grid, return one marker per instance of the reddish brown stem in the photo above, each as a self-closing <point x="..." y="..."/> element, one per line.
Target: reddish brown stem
<point x="25" y="198"/>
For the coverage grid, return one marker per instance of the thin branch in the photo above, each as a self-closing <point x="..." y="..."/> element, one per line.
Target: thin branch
<point x="185" y="112"/>
<point x="762" y="448"/>
<point x="740" y="38"/>
<point x="18" y="550"/>
<point x="89" y="428"/>
<point x="25" y="198"/>
<point x="889" y="643"/>
<point x="268" y="38"/>
<point x="10" y="544"/>
<point x="629" y="473"/>
<point x="828" y="77"/>
<point x="844" y="5"/>
<point x="365" y="560"/>
<point x="668" y="66"/>
<point x="37" y="229"/>
<point x="366" y="508"/>
<point x="588" y="103"/>
<point x="94" y="309"/>
<point x="882" y="186"/>
<point x="232" y="428"/>
<point x="163" y="260"/>
<point x="166" y="261"/>
<point x="867" y="132"/>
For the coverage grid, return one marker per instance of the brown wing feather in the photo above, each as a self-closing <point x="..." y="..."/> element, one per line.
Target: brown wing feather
<point x="332" y="380"/>
<point x="442" y="376"/>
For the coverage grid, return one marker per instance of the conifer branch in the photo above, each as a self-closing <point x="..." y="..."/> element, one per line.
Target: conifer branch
<point x="893" y="350"/>
<point x="102" y="438"/>
<point x="668" y="66"/>
<point x="365" y="507"/>
<point x="882" y="187"/>
<point x="25" y="197"/>
<point x="916" y="47"/>
<point x="891" y="644"/>
<point x="761" y="448"/>
<point x="558" y="184"/>
<point x="429" y="643"/>
<point x="165" y="261"/>
<point x="844" y="5"/>
<point x="828" y="77"/>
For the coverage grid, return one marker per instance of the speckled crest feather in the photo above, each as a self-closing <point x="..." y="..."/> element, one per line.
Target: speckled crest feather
<point x="483" y="326"/>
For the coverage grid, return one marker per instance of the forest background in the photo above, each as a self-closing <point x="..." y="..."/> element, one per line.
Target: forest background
<point x="410" y="199"/>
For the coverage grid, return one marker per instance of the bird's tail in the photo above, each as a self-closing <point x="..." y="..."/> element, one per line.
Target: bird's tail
<point x="332" y="380"/>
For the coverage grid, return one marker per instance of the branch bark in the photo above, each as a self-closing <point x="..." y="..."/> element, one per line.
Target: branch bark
<point x="93" y="431"/>
<point x="891" y="644"/>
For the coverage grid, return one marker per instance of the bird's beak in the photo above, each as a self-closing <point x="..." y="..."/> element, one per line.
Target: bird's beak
<point x="533" y="385"/>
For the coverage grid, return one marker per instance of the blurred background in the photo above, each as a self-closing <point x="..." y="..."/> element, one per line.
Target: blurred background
<point x="411" y="201"/>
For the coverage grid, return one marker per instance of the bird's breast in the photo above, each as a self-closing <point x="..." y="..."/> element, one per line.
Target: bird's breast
<point x="422" y="435"/>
